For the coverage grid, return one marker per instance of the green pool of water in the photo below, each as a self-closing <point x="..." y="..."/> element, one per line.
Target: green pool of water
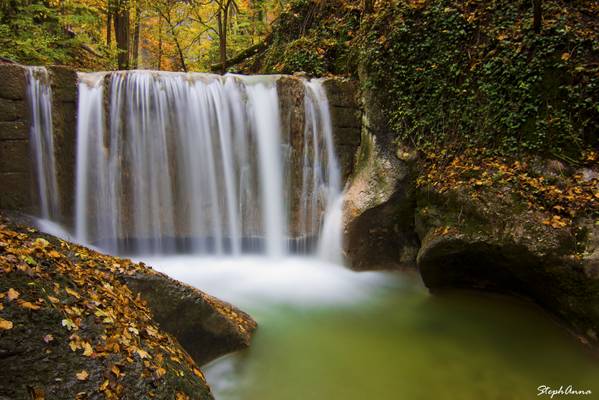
<point x="403" y="343"/>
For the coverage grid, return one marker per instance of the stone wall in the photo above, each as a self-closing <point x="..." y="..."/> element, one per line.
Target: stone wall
<point x="346" y="118"/>
<point x="17" y="191"/>
<point x="15" y="166"/>
<point x="346" y="115"/>
<point x="17" y="180"/>
<point x="64" y="118"/>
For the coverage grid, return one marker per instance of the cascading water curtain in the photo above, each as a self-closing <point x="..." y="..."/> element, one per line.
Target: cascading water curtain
<point x="39" y="94"/>
<point x="195" y="162"/>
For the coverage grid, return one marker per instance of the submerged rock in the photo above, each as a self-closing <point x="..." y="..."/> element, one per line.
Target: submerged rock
<point x="71" y="327"/>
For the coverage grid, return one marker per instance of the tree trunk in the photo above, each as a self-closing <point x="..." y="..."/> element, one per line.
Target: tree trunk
<point x="109" y="28"/>
<point x="538" y="15"/>
<point x="121" y="30"/>
<point x="222" y="40"/>
<point x="159" y="42"/>
<point x="136" y="34"/>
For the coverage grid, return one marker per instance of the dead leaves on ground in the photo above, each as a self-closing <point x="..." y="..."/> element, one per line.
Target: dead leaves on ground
<point x="87" y="291"/>
<point x="570" y="197"/>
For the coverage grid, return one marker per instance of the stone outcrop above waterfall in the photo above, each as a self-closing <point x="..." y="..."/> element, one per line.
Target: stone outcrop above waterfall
<point x="71" y="326"/>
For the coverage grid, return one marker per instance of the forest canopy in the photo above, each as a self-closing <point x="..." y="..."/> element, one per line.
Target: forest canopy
<point x="179" y="35"/>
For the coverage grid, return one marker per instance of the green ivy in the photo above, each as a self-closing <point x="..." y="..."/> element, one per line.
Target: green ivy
<point x="487" y="82"/>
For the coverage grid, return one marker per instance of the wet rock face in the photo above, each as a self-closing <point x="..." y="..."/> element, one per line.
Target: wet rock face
<point x="345" y="112"/>
<point x="206" y="327"/>
<point x="379" y="202"/>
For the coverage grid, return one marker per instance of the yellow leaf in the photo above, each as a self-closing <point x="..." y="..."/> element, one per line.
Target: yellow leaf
<point x="69" y="324"/>
<point x="29" y="306"/>
<point x="198" y="373"/>
<point x="54" y="254"/>
<point x="12" y="294"/>
<point x="566" y="56"/>
<point x="87" y="349"/>
<point x="116" y="371"/>
<point x="142" y="353"/>
<point x="41" y="243"/>
<point x="72" y="293"/>
<point x="160" y="372"/>
<point x="82" y="376"/>
<point x="5" y="325"/>
<point x="181" y="396"/>
<point x="104" y="385"/>
<point x="74" y="345"/>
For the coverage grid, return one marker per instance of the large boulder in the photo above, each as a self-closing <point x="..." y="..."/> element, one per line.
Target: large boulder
<point x="75" y="323"/>
<point x="491" y="241"/>
<point x="205" y="326"/>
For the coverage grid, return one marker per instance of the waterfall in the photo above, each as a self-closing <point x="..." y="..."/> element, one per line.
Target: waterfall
<point x="39" y="95"/>
<point x="170" y="162"/>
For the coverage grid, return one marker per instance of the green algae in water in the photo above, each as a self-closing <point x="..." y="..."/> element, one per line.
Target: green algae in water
<point x="406" y="344"/>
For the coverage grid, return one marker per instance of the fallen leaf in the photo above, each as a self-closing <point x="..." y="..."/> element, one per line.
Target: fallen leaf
<point x="142" y="353"/>
<point x="48" y="338"/>
<point x="69" y="324"/>
<point x="104" y="385"/>
<point x="54" y="254"/>
<point x="12" y="294"/>
<point x="160" y="372"/>
<point x="72" y="293"/>
<point x="37" y="393"/>
<point x="5" y="325"/>
<point x="82" y="376"/>
<point x="29" y="306"/>
<point x="198" y="373"/>
<point x="87" y="349"/>
<point x="41" y="242"/>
